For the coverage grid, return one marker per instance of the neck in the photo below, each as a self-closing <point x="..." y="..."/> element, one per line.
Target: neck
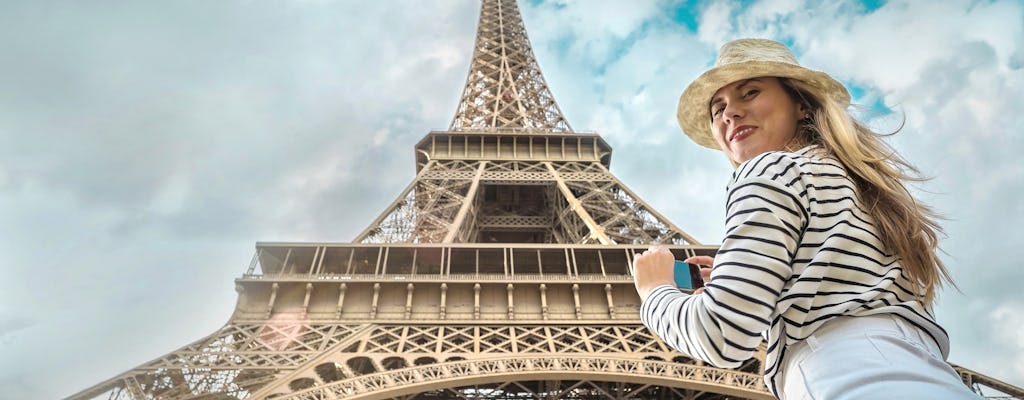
<point x="795" y="144"/>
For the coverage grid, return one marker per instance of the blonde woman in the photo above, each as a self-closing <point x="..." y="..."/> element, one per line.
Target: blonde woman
<point x="826" y="254"/>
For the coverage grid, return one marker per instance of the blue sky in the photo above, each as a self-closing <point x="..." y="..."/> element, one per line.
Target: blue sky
<point x="146" y="146"/>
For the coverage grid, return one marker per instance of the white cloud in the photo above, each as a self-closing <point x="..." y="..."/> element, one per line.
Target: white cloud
<point x="594" y="30"/>
<point x="1008" y="325"/>
<point x="145" y="147"/>
<point x="894" y="45"/>
<point x="716" y="22"/>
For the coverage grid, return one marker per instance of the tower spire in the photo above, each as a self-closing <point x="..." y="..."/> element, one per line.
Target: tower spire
<point x="505" y="88"/>
<point x="507" y="170"/>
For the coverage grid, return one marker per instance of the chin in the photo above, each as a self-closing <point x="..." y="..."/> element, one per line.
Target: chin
<point x="745" y="155"/>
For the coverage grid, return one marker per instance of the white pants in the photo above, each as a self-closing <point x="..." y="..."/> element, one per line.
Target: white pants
<point x="876" y="357"/>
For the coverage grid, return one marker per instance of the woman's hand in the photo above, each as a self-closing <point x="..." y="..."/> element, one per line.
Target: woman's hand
<point x="705" y="264"/>
<point x="651" y="269"/>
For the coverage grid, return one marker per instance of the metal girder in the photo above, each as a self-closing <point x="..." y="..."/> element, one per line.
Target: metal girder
<point x="236" y="360"/>
<point x="453" y="229"/>
<point x="428" y="357"/>
<point x="590" y="205"/>
<point x="511" y="369"/>
<point x="596" y="231"/>
<point x="428" y="208"/>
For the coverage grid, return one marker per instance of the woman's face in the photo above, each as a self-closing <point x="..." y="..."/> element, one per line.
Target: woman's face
<point x="753" y="116"/>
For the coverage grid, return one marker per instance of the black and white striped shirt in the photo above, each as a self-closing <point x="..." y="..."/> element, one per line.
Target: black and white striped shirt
<point x="799" y="250"/>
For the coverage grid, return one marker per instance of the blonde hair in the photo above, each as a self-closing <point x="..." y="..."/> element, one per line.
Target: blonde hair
<point x="907" y="227"/>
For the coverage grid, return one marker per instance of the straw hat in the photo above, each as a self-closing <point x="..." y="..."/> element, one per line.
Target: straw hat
<point x="744" y="59"/>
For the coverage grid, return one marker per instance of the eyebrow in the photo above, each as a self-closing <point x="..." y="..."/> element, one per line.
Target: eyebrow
<point x="743" y="83"/>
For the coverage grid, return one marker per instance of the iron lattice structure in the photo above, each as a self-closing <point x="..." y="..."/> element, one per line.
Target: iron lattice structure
<point x="501" y="272"/>
<point x="504" y="88"/>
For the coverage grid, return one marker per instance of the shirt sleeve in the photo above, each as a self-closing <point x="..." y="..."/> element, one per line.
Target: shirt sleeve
<point x="723" y="326"/>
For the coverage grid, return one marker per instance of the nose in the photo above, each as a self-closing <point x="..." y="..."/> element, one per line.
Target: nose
<point x="732" y="112"/>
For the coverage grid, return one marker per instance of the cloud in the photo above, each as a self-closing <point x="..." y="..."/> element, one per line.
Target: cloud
<point x="592" y="31"/>
<point x="1008" y="325"/>
<point x="11" y="324"/>
<point x="144" y="147"/>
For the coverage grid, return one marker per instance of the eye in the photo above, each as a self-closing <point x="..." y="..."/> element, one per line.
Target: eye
<point x="717" y="110"/>
<point x="751" y="93"/>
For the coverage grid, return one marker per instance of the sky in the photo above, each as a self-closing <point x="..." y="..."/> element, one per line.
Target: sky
<point x="146" y="146"/>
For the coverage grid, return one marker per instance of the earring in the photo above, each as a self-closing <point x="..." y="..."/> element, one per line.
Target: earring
<point x="807" y="130"/>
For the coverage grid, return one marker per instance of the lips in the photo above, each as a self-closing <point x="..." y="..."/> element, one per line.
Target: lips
<point x="741" y="132"/>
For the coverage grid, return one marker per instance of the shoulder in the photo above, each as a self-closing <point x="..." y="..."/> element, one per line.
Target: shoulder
<point x="788" y="169"/>
<point x="785" y="178"/>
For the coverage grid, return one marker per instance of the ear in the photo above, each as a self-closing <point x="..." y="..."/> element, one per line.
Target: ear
<point x="803" y="110"/>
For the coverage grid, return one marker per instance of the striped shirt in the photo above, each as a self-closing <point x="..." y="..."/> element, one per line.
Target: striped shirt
<point x="799" y="250"/>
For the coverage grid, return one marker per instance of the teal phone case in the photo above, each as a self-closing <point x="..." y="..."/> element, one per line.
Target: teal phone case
<point x="682" y="275"/>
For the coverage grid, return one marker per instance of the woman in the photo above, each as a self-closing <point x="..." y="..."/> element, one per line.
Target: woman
<point x="826" y="254"/>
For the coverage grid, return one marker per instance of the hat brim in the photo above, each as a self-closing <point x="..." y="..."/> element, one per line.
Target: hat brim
<point x="694" y="111"/>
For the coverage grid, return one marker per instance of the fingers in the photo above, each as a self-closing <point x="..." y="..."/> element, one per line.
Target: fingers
<point x="697" y="291"/>
<point x="654" y="253"/>
<point x="656" y="250"/>
<point x="706" y="274"/>
<point x="701" y="260"/>
<point x="652" y="268"/>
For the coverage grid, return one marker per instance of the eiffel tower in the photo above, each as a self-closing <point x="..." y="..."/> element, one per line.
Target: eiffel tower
<point x="500" y="272"/>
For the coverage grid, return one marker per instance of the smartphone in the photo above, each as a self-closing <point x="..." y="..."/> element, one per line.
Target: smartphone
<point x="687" y="276"/>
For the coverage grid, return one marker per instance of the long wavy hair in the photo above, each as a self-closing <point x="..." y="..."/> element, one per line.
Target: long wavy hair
<point x="907" y="227"/>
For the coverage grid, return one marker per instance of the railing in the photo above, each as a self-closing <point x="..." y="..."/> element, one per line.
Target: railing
<point x="507" y="130"/>
<point x="542" y="278"/>
<point x="399" y="261"/>
<point x="509" y="144"/>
